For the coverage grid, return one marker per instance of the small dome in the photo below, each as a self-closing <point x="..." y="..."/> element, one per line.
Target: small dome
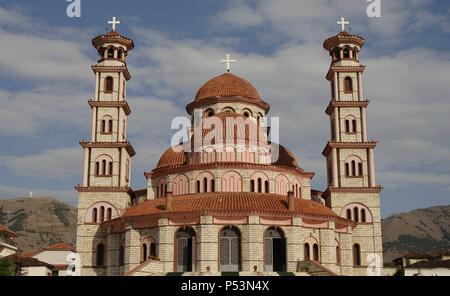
<point x="227" y="86"/>
<point x="286" y="158"/>
<point x="171" y="158"/>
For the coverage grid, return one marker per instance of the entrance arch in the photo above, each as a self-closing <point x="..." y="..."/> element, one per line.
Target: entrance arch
<point x="230" y="249"/>
<point x="274" y="250"/>
<point x="185" y="250"/>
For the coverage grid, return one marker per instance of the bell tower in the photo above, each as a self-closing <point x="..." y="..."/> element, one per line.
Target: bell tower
<point x="352" y="189"/>
<point x="105" y="192"/>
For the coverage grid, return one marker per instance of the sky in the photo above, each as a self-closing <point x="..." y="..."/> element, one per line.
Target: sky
<point x="46" y="81"/>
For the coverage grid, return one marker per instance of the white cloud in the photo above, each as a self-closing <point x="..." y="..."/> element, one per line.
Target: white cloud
<point x="57" y="163"/>
<point x="238" y="15"/>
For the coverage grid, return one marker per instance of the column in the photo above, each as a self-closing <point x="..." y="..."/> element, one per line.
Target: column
<point x="207" y="245"/>
<point x="132" y="248"/>
<point x="336" y="88"/>
<point x="363" y="124"/>
<point x="337" y="129"/>
<point x="371" y="163"/>
<point x="252" y="245"/>
<point x="97" y="85"/>
<point x="86" y="165"/>
<point x="360" y="87"/>
<point x="334" y="167"/>
<point x="166" y="244"/>
<point x="123" y="160"/>
<point x="94" y="124"/>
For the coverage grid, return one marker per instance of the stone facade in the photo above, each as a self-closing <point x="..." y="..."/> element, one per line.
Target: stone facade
<point x="280" y="225"/>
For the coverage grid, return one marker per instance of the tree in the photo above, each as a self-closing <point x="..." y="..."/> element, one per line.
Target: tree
<point x="7" y="267"/>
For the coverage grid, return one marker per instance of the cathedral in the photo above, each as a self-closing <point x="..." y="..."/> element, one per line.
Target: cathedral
<point x="230" y="208"/>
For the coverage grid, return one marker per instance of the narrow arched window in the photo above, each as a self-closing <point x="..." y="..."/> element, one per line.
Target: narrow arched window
<point x="109" y="82"/>
<point x="356" y="255"/>
<point x="266" y="183"/>
<point x="110" y="124"/>
<point x="356" y="214"/>
<point x="252" y="185"/>
<point x="363" y="215"/>
<point x="165" y="190"/>
<point x="97" y="168"/>
<point x="355" y="128"/>
<point x="347" y="126"/>
<point x="349" y="214"/>
<point x="306" y="251"/>
<point x="259" y="185"/>
<point x="347" y="169"/>
<point x="102" y="214"/>
<point x="346" y="53"/>
<point x="198" y="186"/>
<point x="158" y="194"/>
<point x="109" y="214"/>
<point x="110" y="53"/>
<point x="103" y="128"/>
<point x="360" y="169"/>
<point x="103" y="167"/>
<point x="348" y="84"/>
<point x="316" y="252"/>
<point x="213" y="187"/>
<point x="94" y="215"/>
<point x="205" y="184"/>
<point x="353" y="173"/>
<point x="110" y="168"/>
<point x="100" y="255"/>
<point x="119" y="54"/>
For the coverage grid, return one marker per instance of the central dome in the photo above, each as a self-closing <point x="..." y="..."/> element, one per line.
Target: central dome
<point x="227" y="86"/>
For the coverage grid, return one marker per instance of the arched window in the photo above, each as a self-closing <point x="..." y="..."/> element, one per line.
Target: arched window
<point x="348" y="84"/>
<point x="360" y="169"/>
<point x="355" y="128"/>
<point x="353" y="168"/>
<point x="209" y="113"/>
<point x="213" y="187"/>
<point x="110" y="168"/>
<point x="259" y="185"/>
<point x="306" y="251"/>
<point x="347" y="126"/>
<point x="349" y="214"/>
<point x="119" y="53"/>
<point x="252" y="185"/>
<point x="316" y="252"/>
<point x="109" y="82"/>
<point x="100" y="260"/>
<point x="110" y="53"/>
<point x="336" y="53"/>
<point x="347" y="169"/>
<point x="110" y="124"/>
<point x="104" y="167"/>
<point x="198" y="186"/>
<point x="205" y="184"/>
<point x="109" y="214"/>
<point x="266" y="186"/>
<point x="153" y="250"/>
<point x="97" y="168"/>
<point x="356" y="255"/>
<point x="102" y="213"/>
<point x="346" y="53"/>
<point x="356" y="214"/>
<point x="103" y="127"/>
<point x="94" y="215"/>
<point x="363" y="215"/>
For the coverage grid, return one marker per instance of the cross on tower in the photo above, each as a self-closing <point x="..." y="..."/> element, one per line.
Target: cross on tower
<point x="114" y="22"/>
<point x="228" y="61"/>
<point x="343" y="22"/>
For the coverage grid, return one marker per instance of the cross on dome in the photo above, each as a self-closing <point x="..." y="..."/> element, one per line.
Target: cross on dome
<point x="228" y="61"/>
<point x="343" y="23"/>
<point x="114" y="22"/>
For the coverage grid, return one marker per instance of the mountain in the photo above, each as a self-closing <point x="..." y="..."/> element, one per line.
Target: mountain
<point x="422" y="230"/>
<point x="39" y="222"/>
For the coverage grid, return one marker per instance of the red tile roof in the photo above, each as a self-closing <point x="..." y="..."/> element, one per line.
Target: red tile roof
<point x="227" y="85"/>
<point x="27" y="261"/>
<point x="235" y="202"/>
<point x="4" y="229"/>
<point x="55" y="247"/>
